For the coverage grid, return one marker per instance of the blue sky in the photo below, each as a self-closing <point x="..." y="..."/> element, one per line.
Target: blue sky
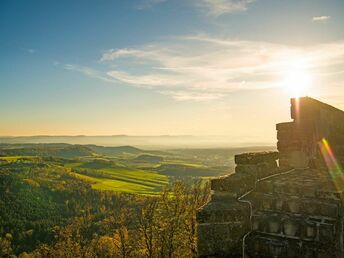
<point x="150" y="67"/>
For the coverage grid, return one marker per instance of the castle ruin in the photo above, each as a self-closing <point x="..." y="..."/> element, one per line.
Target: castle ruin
<point x="282" y="204"/>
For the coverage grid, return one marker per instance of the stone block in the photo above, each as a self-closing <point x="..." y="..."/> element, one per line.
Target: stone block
<point x="219" y="239"/>
<point x="235" y="183"/>
<point x="261" y="201"/>
<point x="205" y="239"/>
<point x="267" y="202"/>
<point x="284" y="164"/>
<point x="294" y="188"/>
<point x="264" y="246"/>
<point x="310" y="230"/>
<point x="294" y="205"/>
<point x="258" y="222"/>
<point x="310" y="207"/>
<point x="204" y="233"/>
<point x="247" y="169"/>
<point x="220" y="196"/>
<point x="219" y="212"/>
<point x="266" y="169"/>
<point x="292" y="227"/>
<point x="259" y="170"/>
<point x="221" y="232"/>
<point x="327" y="232"/>
<point x="265" y="186"/>
<point x="280" y="187"/>
<point x="278" y="248"/>
<point x="255" y="157"/>
<point x="258" y="246"/>
<point x="289" y="146"/>
<point x="328" y="194"/>
<point x="308" y="190"/>
<point x="273" y="224"/>
<point x="286" y="126"/>
<point x="329" y="210"/>
<point x="279" y="204"/>
<point x="285" y="135"/>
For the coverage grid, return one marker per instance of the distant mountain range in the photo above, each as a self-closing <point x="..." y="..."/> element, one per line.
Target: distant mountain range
<point x="64" y="150"/>
<point x="152" y="142"/>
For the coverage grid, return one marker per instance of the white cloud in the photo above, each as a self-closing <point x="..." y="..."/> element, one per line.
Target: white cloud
<point x="210" y="7"/>
<point x="190" y="95"/>
<point x="117" y="53"/>
<point x="88" y="72"/>
<point x="321" y="18"/>
<point x="146" y="4"/>
<point x="202" y="67"/>
<point x="219" y="7"/>
<point x="148" y="81"/>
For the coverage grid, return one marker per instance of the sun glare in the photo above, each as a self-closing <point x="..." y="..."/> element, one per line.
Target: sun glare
<point x="296" y="78"/>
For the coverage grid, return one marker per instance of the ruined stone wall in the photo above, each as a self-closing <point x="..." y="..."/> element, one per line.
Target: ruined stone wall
<point x="225" y="220"/>
<point x="293" y="209"/>
<point x="298" y="214"/>
<point x="298" y="141"/>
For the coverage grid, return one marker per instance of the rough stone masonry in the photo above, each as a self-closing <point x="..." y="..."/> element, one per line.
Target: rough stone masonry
<point x="282" y="204"/>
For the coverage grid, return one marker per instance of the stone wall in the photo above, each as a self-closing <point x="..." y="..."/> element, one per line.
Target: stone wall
<point x="289" y="208"/>
<point x="225" y="220"/>
<point x="298" y="214"/>
<point x="298" y="141"/>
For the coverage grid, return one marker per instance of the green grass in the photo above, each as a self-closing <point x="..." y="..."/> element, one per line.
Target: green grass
<point x="73" y="164"/>
<point x="126" y="180"/>
<point x="184" y="163"/>
<point x="15" y="158"/>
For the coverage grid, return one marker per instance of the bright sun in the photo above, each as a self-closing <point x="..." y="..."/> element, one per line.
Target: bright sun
<point x="296" y="78"/>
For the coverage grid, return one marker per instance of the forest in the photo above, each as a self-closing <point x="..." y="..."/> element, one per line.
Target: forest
<point x="61" y="200"/>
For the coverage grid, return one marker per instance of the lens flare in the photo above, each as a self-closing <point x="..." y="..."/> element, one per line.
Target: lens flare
<point x="297" y="110"/>
<point x="329" y="157"/>
<point x="332" y="164"/>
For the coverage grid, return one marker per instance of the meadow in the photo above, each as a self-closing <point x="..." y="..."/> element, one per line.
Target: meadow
<point x="120" y="179"/>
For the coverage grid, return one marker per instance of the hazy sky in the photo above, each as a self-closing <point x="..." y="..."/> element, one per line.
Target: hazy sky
<point x="152" y="67"/>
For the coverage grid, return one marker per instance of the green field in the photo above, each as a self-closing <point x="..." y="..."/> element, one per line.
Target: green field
<point x="123" y="169"/>
<point x="16" y="158"/>
<point x="121" y="179"/>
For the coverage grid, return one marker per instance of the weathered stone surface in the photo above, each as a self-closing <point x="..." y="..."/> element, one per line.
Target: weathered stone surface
<point x="259" y="170"/>
<point x="230" y="211"/>
<point x="235" y="183"/>
<point x="285" y="126"/>
<point x="220" y="239"/>
<point x="255" y="157"/>
<point x="295" y="214"/>
<point x="265" y="186"/>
